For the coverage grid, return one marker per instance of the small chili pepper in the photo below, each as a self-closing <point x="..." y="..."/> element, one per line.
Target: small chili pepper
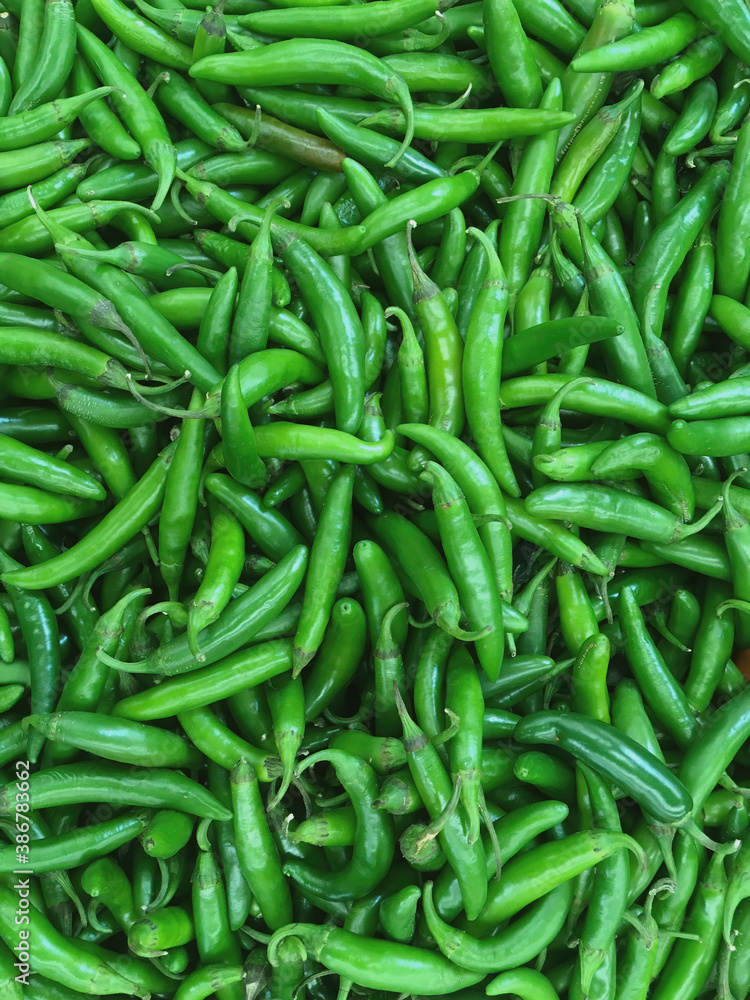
<point x="104" y="880"/>
<point x="545" y="773"/>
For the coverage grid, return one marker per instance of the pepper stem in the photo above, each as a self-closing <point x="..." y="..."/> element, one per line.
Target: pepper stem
<point x="733" y="602"/>
<point x="169" y="411"/>
<point x="660" y="624"/>
<point x="450" y="732"/>
<point x="732" y="517"/>
<point x="437" y="825"/>
<point x="174" y="196"/>
<point x="487" y="820"/>
<point x="684" y="530"/>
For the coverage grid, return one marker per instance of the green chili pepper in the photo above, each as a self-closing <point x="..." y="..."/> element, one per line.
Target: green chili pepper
<point x="333" y="61"/>
<point x="70" y="850"/>
<point x="599" y="506"/>
<point x="327" y="558"/>
<point x="466" y="859"/>
<point x="608" y="752"/>
<point x="470" y="568"/>
<point x="134" y="107"/>
<point x="99" y="972"/>
<point x="374" y="836"/>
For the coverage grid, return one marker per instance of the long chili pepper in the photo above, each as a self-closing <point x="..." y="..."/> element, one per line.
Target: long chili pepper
<point x="466" y="859"/>
<point x="374" y="839"/>
<point x="391" y="253"/>
<point x="180" y="499"/>
<point x="40" y="633"/>
<point x="482" y="365"/>
<point x="135" y="107"/>
<point x="665" y="797"/>
<point x="388" y="667"/>
<point x="327" y="557"/>
<point x="253" y="311"/>
<point x="470" y="567"/>
<point x="134" y="308"/>
<point x="335" y="61"/>
<point x="443" y="351"/>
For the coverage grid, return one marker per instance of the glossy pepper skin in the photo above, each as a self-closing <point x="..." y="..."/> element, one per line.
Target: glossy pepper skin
<point x="613" y="754"/>
<point x="369" y="961"/>
<point x="374" y="840"/>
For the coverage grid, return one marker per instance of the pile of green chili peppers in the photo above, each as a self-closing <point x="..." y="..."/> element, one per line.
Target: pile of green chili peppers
<point x="375" y="499"/>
